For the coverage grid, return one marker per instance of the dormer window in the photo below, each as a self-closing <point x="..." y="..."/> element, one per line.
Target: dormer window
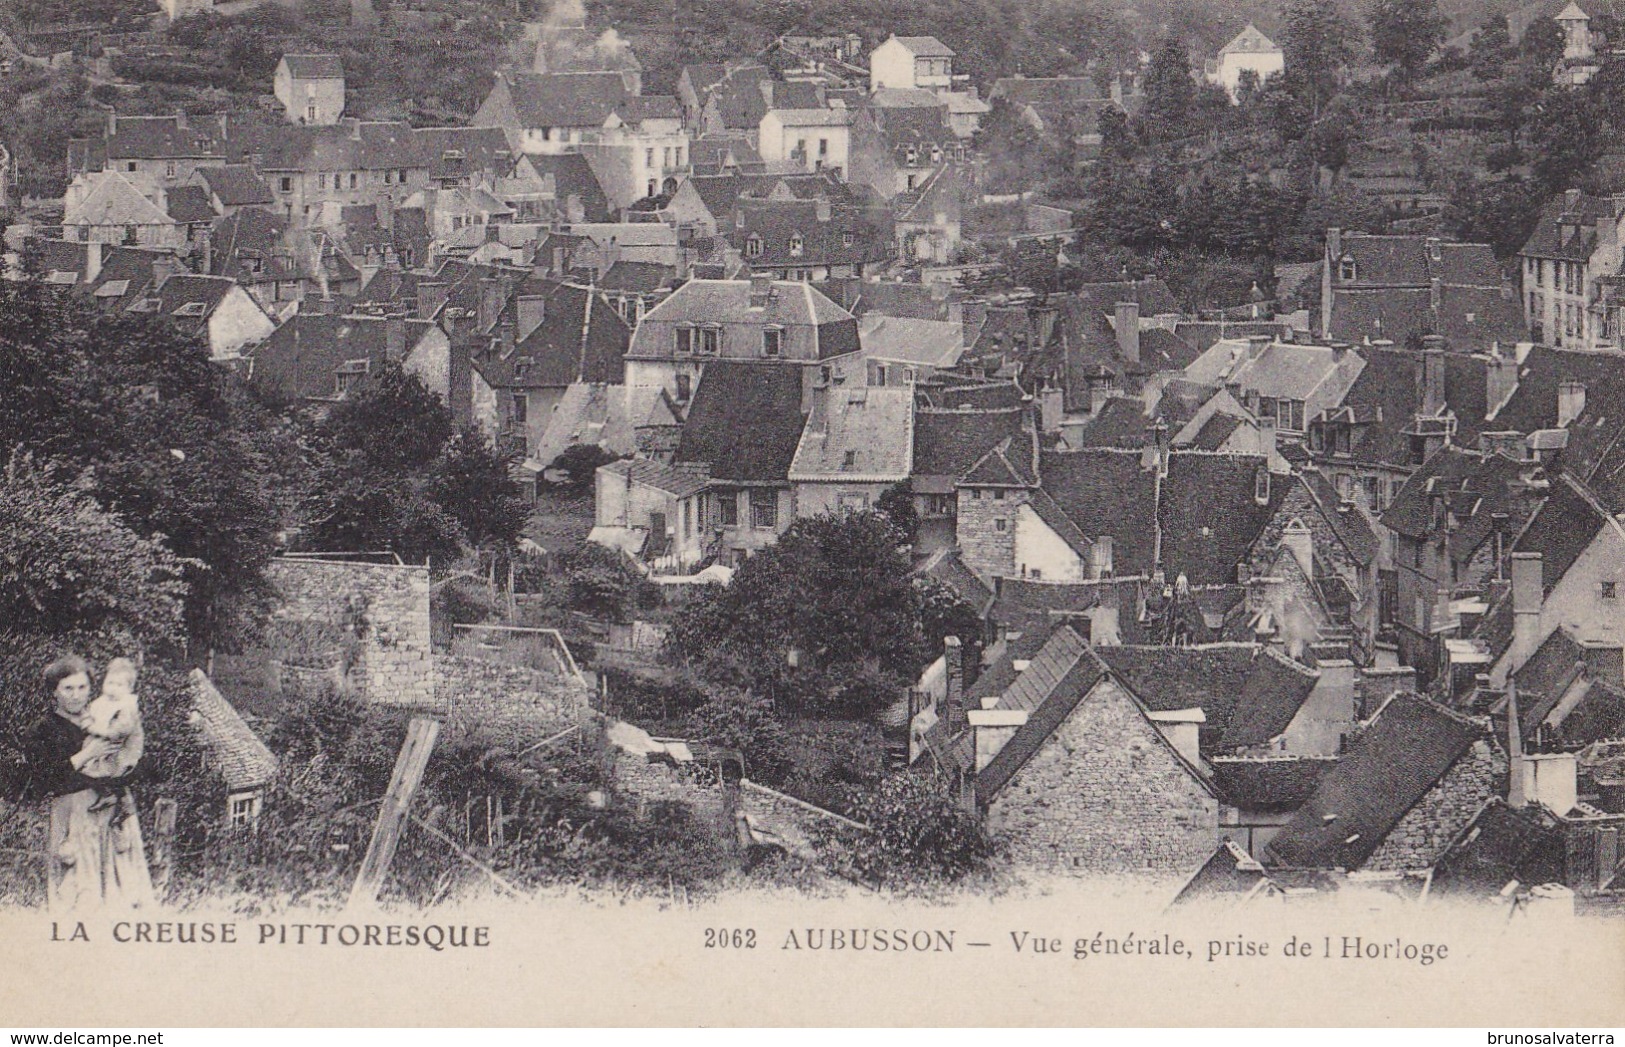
<point x="710" y="341"/>
<point x="753" y="246"/>
<point x="1346" y="269"/>
<point x="687" y="340"/>
<point x="1261" y="484"/>
<point x="798" y="246"/>
<point x="911" y="156"/>
<point x="847" y="238"/>
<point x="772" y="342"/>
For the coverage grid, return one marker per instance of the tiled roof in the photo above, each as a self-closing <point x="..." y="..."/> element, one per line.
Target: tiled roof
<point x="1120" y="423"/>
<point x="1268" y="783"/>
<point x="768" y="233"/>
<point x="1499" y="845"/>
<point x="1407" y="261"/>
<point x="739" y="100"/>
<point x="1001" y="672"/>
<point x="892" y="298"/>
<point x="859" y="433"/>
<point x="946" y="566"/>
<point x="1598" y="715"/>
<point x="1081" y="678"/>
<point x="1275" y="691"/>
<point x="1401" y="754"/>
<point x="1351" y="526"/>
<point x="1562" y="528"/>
<point x="1387" y="394"/>
<point x="1166" y="679"/>
<point x="243" y="760"/>
<point x="573" y="176"/>
<point x="1106" y="492"/>
<point x="1475" y="488"/>
<point x="566" y="99"/>
<point x="1044" y="671"/>
<point x="314" y="67"/>
<point x="930" y="343"/>
<point x="581" y="338"/>
<point x="188" y="204"/>
<point x="301" y="357"/>
<point x="1469" y="318"/>
<point x="994" y="395"/>
<point x="1009" y="463"/>
<point x="237" y="185"/>
<point x="638" y="108"/>
<point x="464" y="152"/>
<point x="1215" y="431"/>
<point x="1209" y="514"/>
<point x="728" y="301"/>
<point x="674" y="482"/>
<point x="948" y="443"/>
<point x="637" y="276"/>
<point x="745" y="421"/>
<point x="1569" y="231"/>
<point x="604" y="415"/>
<point x="158" y="138"/>
<point x="925" y="46"/>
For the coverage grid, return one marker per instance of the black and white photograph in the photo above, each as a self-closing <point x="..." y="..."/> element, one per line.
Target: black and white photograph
<point x="1106" y="512"/>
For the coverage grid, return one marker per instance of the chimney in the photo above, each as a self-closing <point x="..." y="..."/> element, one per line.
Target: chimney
<point x="993" y="729"/>
<point x="1100" y="390"/>
<point x="507" y="336"/>
<point x="761" y="291"/>
<point x="1571" y="199"/>
<point x="818" y="410"/>
<point x="1379" y="683"/>
<point x="1155" y="454"/>
<point x="1051" y="408"/>
<point x="1334" y="245"/>
<point x="112" y="123"/>
<point x="1528" y="596"/>
<point x="1269" y="445"/>
<point x="1256" y="344"/>
<point x="395" y="337"/>
<point x="1432" y="375"/>
<point x="1549" y="779"/>
<point x="1100" y="558"/>
<point x="490" y="304"/>
<point x="1300" y="542"/>
<point x="1500" y="380"/>
<point x="1182" y="728"/>
<point x="1128" y="331"/>
<point x="1435" y="251"/>
<point x="93" y="260"/>
<point x="164" y="266"/>
<point x="1571" y="401"/>
<point x="532" y="311"/>
<point x="431" y="295"/>
<point x="1336" y="695"/>
<point x="952" y="713"/>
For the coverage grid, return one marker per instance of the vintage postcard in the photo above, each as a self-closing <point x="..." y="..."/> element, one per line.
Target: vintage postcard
<point x="729" y="512"/>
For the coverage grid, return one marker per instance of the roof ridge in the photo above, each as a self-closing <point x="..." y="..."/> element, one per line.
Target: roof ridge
<point x="1291" y="663"/>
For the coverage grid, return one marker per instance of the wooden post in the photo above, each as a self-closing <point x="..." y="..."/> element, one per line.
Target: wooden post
<point x="163" y="846"/>
<point x="403" y="784"/>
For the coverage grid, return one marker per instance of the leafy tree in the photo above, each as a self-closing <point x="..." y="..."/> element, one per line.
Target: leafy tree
<point x="921" y="833"/>
<point x="734" y="719"/>
<point x="944" y="613"/>
<point x="1318" y="43"/>
<point x="476" y="484"/>
<point x="834" y="595"/>
<point x="896" y="503"/>
<point x="1566" y="136"/>
<point x="1405" y="33"/>
<point x="601" y="582"/>
<point x="580" y="464"/>
<point x="1491" y="48"/>
<point x="68" y="565"/>
<point x="1501" y="213"/>
<point x="1170" y="92"/>
<point x="1542" y="43"/>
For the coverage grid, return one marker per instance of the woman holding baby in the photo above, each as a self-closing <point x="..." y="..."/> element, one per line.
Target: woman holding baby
<point x="84" y="754"/>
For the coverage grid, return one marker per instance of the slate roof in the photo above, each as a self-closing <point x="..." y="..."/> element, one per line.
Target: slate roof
<point x="728" y="302"/>
<point x="674" y="482"/>
<point x="581" y="338"/>
<point x="1209" y="515"/>
<point x="566" y="99"/>
<point x="849" y="236"/>
<point x="1215" y="431"/>
<point x="1120" y="423"/>
<point x="243" y="760"/>
<point x="464" y="152"/>
<point x="948" y="443"/>
<point x="1045" y="669"/>
<point x="1275" y="691"/>
<point x="637" y="276"/>
<point x="1024" y="604"/>
<point x="1351" y="526"/>
<point x="300" y="358"/>
<point x="1009" y="463"/>
<point x="158" y="138"/>
<point x="983" y="396"/>
<point x="707" y="152"/>
<point x="237" y="185"/>
<point x="1402" y="753"/>
<point x="1406" y="261"/>
<point x="1570" y="231"/>
<point x="745" y="420"/>
<point x="946" y="566"/>
<point x="738" y="99"/>
<point x="892" y="298"/>
<point x="925" y="46"/>
<point x="1269" y="783"/>
<point x="930" y="343"/>
<point x="1167" y="679"/>
<point x="1561" y="529"/>
<point x="1469" y="318"/>
<point x="1106" y="492"/>
<point x="1475" y="487"/>
<point x="867" y="434"/>
<point x="314" y="67"/>
<point x="188" y="205"/>
<point x="1499" y="845"/>
<point x="1387" y="395"/>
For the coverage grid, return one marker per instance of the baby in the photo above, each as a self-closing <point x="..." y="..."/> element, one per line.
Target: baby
<point x="115" y="716"/>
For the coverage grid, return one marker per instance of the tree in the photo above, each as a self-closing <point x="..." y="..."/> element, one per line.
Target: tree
<point x="1501" y="213"/>
<point x="580" y="463"/>
<point x="1170" y="92"/>
<point x="799" y="619"/>
<point x="1405" y="33"/>
<point x="1491" y="47"/>
<point x="896" y="503"/>
<point x="68" y="565"/>
<point x="734" y="719"/>
<point x="920" y="833"/>
<point x="1542" y="44"/>
<point x="475" y="483"/>
<point x="1318" y="43"/>
<point x="944" y="613"/>
<point x="1566" y="136"/>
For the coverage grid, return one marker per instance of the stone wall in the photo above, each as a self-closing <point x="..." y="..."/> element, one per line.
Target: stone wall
<point x="985" y="548"/>
<point x="792" y="823"/>
<point x="510" y="698"/>
<point x="1444" y="810"/>
<point x="384" y="606"/>
<point x="1106" y="794"/>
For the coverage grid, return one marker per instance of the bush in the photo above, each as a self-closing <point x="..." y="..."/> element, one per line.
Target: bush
<point x="580" y="464"/>
<point x="735" y="719"/>
<point x="921" y="834"/>
<point x="603" y="583"/>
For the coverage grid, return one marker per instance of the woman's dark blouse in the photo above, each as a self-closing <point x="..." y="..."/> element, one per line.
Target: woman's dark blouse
<point x="51" y="744"/>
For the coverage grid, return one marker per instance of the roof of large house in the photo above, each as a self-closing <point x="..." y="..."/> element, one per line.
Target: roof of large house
<point x="739" y="99"/>
<point x="1167" y="679"/>
<point x="794" y="233"/>
<point x="566" y="99"/>
<point x="1402" y="753"/>
<point x="857" y="434"/>
<point x="242" y="759"/>
<point x="301" y="357"/>
<point x="1469" y="318"/>
<point x="925" y="46"/>
<point x="1275" y="691"/>
<point x="1269" y="783"/>
<point x="1106" y="492"/>
<point x="729" y="302"/>
<point x="745" y="421"/>
<point x="947" y="443"/>
<point x="314" y="67"/>
<point x="932" y="301"/>
<point x="573" y="176"/>
<point x="1279" y="370"/>
<point x="675" y="482"/>
<point x="1414" y="261"/>
<point x="1387" y="395"/>
<point x="1474" y="488"/>
<point x="928" y="343"/>
<point x="582" y="337"/>
<point x="1567" y="226"/>
<point x="1501" y="844"/>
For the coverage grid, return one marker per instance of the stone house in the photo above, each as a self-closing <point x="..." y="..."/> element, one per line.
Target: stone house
<point x="215" y="309"/>
<point x="167" y="149"/>
<point x="858" y="442"/>
<point x="810" y="240"/>
<point x="310" y="88"/>
<point x="1408" y="785"/>
<point x="551" y="113"/>
<point x="897" y="150"/>
<point x="233" y="187"/>
<point x="234" y="750"/>
<point x="705" y="321"/>
<point x="1567" y="265"/>
<point x="948" y="442"/>
<point x="806" y="140"/>
<point x="1249" y="52"/>
<point x="640" y="151"/>
<point x="131" y="209"/>
<point x="911" y="62"/>
<point x="651" y="512"/>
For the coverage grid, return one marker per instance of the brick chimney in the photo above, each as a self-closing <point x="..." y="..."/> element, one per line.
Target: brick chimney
<point x="1051" y="408"/>
<point x="1128" y="331"/>
<point x="952" y="713"/>
<point x="1432" y="367"/>
<point x="1528" y="596"/>
<point x="761" y="291"/>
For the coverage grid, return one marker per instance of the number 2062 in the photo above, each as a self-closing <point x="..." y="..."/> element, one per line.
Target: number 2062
<point x="723" y="938"/>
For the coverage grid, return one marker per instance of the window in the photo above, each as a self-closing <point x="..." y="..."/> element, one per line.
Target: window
<point x="688" y="516"/>
<point x="710" y="341"/>
<point x="169" y="169"/>
<point x="753" y="246"/>
<point x="998" y="494"/>
<point x="130" y="166"/>
<point x="1261" y="485"/>
<point x="797" y="245"/>
<point x="287" y="184"/>
<point x="764" y="509"/>
<point x="847" y="238"/>
<point x="823" y="147"/>
<point x="1035" y="573"/>
<point x="728" y="508"/>
<point x="1000" y="525"/>
<point x="1610" y="590"/>
<point x="243" y="810"/>
<point x="1289" y="415"/>
<point x="911" y="156"/>
<point x="665" y="156"/>
<point x="801" y="147"/>
<point x="352" y="179"/>
<point x="772" y="341"/>
<point x="911" y="181"/>
<point x="852" y="502"/>
<point x="685" y="340"/>
<point x="521" y="408"/>
<point x="1346" y="269"/>
<point x="389" y="177"/>
<point x="310" y="114"/>
<point x="321" y="181"/>
<point x="685" y="387"/>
